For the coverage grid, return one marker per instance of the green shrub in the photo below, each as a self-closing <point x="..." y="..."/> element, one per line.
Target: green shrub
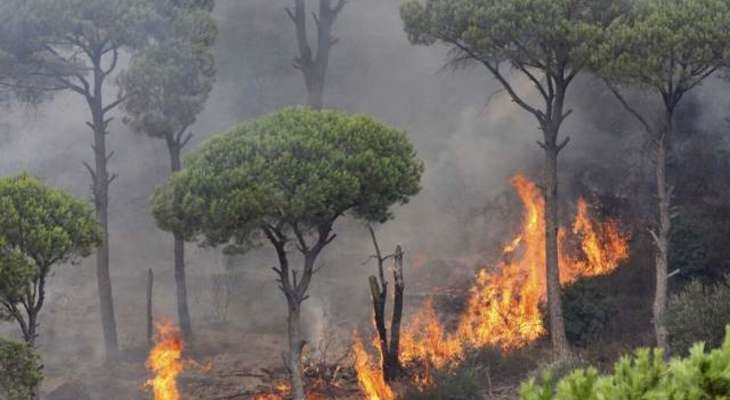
<point x="587" y="310"/>
<point x="19" y="370"/>
<point x="698" y="313"/>
<point x="644" y="375"/>
<point x="461" y="382"/>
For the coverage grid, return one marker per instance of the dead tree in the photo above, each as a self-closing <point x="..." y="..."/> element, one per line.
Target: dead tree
<point x="314" y="65"/>
<point x="379" y="291"/>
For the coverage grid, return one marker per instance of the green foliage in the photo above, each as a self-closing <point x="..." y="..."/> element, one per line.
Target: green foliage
<point x="81" y="24"/>
<point x="297" y="169"/>
<point x="169" y="80"/>
<point x="39" y="227"/>
<point x="667" y="45"/>
<point x="698" y="313"/>
<point x="645" y="375"/>
<point x="587" y="310"/>
<point x="45" y="225"/>
<point x="461" y="382"/>
<point x="525" y="33"/>
<point x="20" y="370"/>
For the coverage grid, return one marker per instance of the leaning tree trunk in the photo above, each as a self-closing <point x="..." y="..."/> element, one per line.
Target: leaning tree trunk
<point x="662" y="235"/>
<point x="555" y="307"/>
<point x="101" y="181"/>
<point x="183" y="311"/>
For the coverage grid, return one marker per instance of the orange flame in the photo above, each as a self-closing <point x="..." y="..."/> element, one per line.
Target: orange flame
<point x="503" y="308"/>
<point x="165" y="361"/>
<point x="369" y="375"/>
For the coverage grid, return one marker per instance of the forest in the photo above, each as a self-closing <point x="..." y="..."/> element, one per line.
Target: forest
<point x="364" y="199"/>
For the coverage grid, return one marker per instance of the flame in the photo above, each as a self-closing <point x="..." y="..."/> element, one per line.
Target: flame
<point x="280" y="392"/>
<point x="503" y="308"/>
<point x="165" y="361"/>
<point x="369" y="375"/>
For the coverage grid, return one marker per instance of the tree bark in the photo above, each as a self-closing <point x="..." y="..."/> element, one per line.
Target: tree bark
<point x="101" y="181"/>
<point x="379" y="295"/>
<point x="296" y="344"/>
<point x="399" y="286"/>
<point x="662" y="234"/>
<point x="183" y="311"/>
<point x="557" y="325"/>
<point x="314" y="66"/>
<point x="150" y="317"/>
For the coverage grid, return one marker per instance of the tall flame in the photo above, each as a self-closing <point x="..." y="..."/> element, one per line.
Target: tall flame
<point x="165" y="361"/>
<point x="503" y="308"/>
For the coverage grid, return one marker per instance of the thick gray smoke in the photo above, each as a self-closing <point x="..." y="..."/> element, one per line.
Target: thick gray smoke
<point x="471" y="137"/>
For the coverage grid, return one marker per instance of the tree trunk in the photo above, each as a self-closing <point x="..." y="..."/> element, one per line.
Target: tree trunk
<point x="183" y="311"/>
<point x="662" y="235"/>
<point x="314" y="66"/>
<point x="101" y="180"/>
<point x="557" y="325"/>
<point x="398" y="288"/>
<point x="379" y="295"/>
<point x="150" y="318"/>
<point x="296" y="345"/>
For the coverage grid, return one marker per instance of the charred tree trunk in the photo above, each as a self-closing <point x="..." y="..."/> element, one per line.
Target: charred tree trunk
<point x="662" y="234"/>
<point x="379" y="292"/>
<point x="314" y="66"/>
<point x="399" y="286"/>
<point x="174" y="146"/>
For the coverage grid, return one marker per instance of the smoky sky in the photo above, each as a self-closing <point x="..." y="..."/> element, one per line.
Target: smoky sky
<point x="471" y="137"/>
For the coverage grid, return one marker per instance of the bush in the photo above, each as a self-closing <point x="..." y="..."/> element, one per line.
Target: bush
<point x="645" y="375"/>
<point x="19" y="370"/>
<point x="461" y="382"/>
<point x="698" y="313"/>
<point x="587" y="310"/>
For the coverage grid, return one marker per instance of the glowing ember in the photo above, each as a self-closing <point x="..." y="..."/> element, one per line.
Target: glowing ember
<point x="503" y="308"/>
<point x="165" y="361"/>
<point x="281" y="391"/>
<point x="369" y="374"/>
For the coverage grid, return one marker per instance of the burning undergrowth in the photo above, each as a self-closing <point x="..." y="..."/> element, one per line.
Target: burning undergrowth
<point x="503" y="309"/>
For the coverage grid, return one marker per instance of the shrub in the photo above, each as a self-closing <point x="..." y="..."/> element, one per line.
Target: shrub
<point x="644" y="375"/>
<point x="461" y="382"/>
<point x="19" y="370"/>
<point x="698" y="313"/>
<point x="587" y="310"/>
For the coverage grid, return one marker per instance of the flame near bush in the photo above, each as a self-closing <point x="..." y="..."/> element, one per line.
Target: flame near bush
<point x="503" y="309"/>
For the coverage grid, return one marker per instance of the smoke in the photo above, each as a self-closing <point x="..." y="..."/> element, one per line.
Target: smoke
<point x="471" y="137"/>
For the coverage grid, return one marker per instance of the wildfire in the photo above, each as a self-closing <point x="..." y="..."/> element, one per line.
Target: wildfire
<point x="370" y="377"/>
<point x="165" y="361"/>
<point x="503" y="308"/>
<point x="281" y="391"/>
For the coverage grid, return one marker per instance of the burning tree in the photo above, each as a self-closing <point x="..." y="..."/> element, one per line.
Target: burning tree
<point x="389" y="347"/>
<point x="286" y="178"/>
<point x="548" y="43"/>
<point x="668" y="48"/>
